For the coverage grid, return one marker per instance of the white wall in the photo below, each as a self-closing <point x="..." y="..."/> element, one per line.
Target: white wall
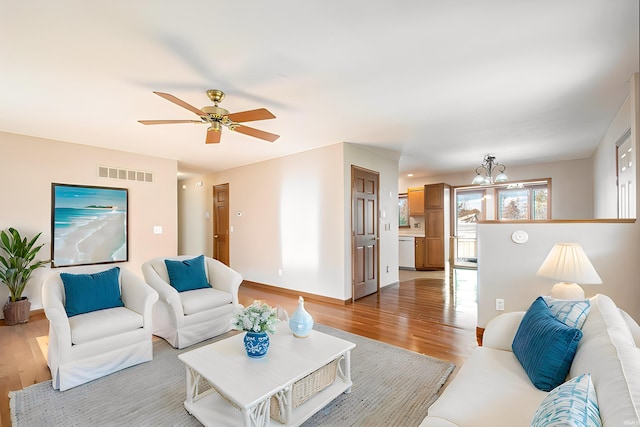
<point x="571" y="184"/>
<point x="295" y="217"/>
<point x="30" y="165"/>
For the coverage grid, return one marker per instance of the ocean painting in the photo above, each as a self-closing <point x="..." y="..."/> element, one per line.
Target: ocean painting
<point x="88" y="225"/>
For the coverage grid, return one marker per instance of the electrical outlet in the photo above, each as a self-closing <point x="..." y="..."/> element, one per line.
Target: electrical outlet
<point x="499" y="304"/>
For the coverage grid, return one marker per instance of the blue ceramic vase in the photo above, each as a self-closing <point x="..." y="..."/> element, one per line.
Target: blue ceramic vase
<point x="301" y="322"/>
<point x="256" y="344"/>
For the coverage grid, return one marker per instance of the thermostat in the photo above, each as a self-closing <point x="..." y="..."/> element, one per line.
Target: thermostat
<point x="519" y="236"/>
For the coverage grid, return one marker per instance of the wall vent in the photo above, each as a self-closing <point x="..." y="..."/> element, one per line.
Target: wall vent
<point x="124" y="174"/>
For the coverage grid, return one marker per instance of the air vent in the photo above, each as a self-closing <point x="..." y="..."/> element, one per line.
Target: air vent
<point x="124" y="174"/>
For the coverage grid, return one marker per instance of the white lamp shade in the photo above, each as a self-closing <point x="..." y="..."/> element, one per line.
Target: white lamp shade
<point x="569" y="263"/>
<point x="479" y="179"/>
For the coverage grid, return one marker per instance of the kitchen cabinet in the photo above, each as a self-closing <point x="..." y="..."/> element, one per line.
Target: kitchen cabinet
<point x="420" y="253"/>
<point x="416" y="201"/>
<point x="436" y="211"/>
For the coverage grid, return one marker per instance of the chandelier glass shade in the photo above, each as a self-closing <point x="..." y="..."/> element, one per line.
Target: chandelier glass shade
<point x="490" y="172"/>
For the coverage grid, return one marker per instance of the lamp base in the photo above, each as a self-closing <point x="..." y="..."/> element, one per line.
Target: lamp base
<point x="566" y="290"/>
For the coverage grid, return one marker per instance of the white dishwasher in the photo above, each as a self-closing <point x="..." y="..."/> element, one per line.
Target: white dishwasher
<point x="407" y="257"/>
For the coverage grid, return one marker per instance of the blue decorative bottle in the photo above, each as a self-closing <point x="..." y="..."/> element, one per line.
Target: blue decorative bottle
<point x="300" y="322"/>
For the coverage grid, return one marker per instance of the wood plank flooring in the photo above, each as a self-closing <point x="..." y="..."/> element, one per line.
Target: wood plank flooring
<point x="424" y="313"/>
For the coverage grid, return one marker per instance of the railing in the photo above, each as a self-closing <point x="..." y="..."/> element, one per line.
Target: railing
<point x="463" y="252"/>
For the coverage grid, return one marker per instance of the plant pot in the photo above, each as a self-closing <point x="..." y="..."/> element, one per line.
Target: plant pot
<point x="256" y="344"/>
<point x="16" y="312"/>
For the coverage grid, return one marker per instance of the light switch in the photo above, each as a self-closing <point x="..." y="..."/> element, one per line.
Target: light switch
<point x="157" y="229"/>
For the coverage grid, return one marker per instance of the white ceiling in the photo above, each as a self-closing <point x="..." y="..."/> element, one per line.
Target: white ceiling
<point x="442" y="82"/>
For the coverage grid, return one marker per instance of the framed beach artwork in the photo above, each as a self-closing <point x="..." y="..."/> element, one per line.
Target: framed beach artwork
<point x="88" y="225"/>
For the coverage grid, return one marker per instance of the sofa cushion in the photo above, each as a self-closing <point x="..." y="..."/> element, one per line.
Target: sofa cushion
<point x="188" y="274"/>
<point x="491" y="389"/>
<point x="103" y="323"/>
<point x="608" y="352"/>
<point x="570" y="312"/>
<point x="90" y="292"/>
<point x="545" y="346"/>
<point x="573" y="403"/>
<point x="203" y="299"/>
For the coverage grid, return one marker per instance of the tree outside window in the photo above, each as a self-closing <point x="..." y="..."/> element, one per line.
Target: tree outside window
<point x="523" y="203"/>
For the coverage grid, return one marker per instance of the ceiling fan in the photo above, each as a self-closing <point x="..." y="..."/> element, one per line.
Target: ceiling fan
<point x="217" y="117"/>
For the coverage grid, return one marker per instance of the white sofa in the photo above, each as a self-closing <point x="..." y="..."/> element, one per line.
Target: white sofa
<point x="492" y="389"/>
<point x="88" y="346"/>
<point x="186" y="318"/>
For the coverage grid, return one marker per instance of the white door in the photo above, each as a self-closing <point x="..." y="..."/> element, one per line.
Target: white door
<point x="626" y="178"/>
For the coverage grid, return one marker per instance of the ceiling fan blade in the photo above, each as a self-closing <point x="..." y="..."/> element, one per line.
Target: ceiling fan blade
<point x="251" y="115"/>
<point x="256" y="133"/>
<point x="181" y="103"/>
<point x="213" y="136"/>
<point x="168" y="122"/>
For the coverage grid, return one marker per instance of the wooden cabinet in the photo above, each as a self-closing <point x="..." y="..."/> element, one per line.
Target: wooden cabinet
<point x="416" y="201"/>
<point x="420" y="253"/>
<point x="434" y="196"/>
<point x="436" y="241"/>
<point x="432" y="203"/>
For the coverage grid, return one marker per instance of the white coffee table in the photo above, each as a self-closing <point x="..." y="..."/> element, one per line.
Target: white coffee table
<point x="241" y="387"/>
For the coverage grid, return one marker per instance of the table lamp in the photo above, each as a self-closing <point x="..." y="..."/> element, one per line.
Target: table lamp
<point x="568" y="263"/>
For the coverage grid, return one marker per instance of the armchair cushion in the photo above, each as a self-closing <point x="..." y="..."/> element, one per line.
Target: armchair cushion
<point x="85" y="293"/>
<point x="103" y="323"/>
<point x="545" y="346"/>
<point x="203" y="299"/>
<point x="187" y="274"/>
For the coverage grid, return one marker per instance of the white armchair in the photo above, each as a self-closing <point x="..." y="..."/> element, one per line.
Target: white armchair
<point x="91" y="345"/>
<point x="186" y="318"/>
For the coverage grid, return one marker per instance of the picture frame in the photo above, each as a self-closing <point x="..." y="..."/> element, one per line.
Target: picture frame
<point x="403" y="211"/>
<point x="89" y="225"/>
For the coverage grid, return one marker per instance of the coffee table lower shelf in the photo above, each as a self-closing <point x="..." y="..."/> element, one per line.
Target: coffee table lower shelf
<point x="211" y="409"/>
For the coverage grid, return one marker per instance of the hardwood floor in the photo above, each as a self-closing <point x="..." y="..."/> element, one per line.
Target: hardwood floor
<point x="424" y="313"/>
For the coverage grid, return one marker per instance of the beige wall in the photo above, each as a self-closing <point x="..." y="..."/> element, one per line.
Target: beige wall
<point x="507" y="270"/>
<point x="293" y="214"/>
<point x="30" y="165"/>
<point x="571" y="184"/>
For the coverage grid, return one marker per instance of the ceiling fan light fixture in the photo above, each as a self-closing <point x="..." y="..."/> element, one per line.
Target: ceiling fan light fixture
<point x="217" y="117"/>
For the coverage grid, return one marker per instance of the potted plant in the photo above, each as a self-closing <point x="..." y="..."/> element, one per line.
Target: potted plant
<point x="17" y="263"/>
<point x="256" y="319"/>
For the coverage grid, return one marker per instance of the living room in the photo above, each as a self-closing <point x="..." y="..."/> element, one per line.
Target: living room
<point x="301" y="199"/>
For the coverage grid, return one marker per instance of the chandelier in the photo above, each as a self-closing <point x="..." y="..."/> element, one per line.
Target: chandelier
<point x="485" y="172"/>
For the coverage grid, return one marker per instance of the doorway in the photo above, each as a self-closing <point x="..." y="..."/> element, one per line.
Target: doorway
<point x="364" y="232"/>
<point x="221" y="223"/>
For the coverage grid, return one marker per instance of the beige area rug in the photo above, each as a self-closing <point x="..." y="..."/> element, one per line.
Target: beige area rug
<point x="392" y="387"/>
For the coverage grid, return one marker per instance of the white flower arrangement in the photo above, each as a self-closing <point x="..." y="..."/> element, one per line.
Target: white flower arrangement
<point x="258" y="317"/>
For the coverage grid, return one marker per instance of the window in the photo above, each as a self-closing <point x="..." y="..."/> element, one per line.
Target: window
<point x="523" y="201"/>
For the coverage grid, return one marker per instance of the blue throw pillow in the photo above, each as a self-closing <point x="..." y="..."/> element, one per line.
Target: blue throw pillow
<point x="90" y="292"/>
<point x="188" y="274"/>
<point x="545" y="346"/>
<point x="573" y="403"/>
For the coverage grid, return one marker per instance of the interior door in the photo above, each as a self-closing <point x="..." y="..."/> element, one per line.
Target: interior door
<point x="221" y="223"/>
<point x="626" y="177"/>
<point x="364" y="231"/>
